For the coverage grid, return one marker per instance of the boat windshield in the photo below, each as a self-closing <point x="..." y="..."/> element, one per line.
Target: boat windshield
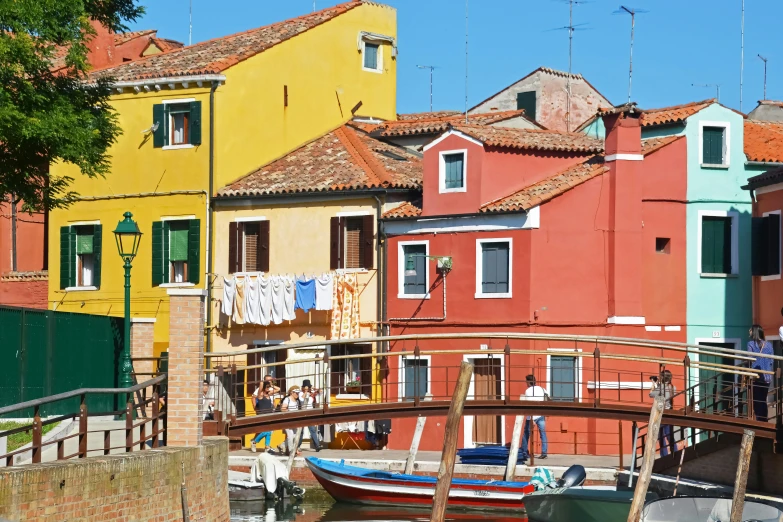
<point x="706" y="509"/>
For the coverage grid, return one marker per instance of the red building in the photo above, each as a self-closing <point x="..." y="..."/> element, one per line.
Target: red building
<point x="548" y="232"/>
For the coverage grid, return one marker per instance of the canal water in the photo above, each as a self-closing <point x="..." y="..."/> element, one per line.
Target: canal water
<point x="318" y="506"/>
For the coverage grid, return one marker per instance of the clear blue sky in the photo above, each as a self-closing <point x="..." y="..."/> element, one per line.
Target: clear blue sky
<point x="678" y="43"/>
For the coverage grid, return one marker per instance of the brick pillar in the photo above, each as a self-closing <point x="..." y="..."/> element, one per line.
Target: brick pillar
<point x="142" y="340"/>
<point x="186" y="366"/>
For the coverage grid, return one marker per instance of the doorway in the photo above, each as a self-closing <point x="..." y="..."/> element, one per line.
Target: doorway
<point x="717" y="389"/>
<point x="487" y="385"/>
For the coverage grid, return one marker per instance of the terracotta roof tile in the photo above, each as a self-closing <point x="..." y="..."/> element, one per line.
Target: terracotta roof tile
<point x="426" y="115"/>
<point x="343" y="159"/>
<point x="121" y="38"/>
<point x="650" y="145"/>
<point x="215" y="56"/>
<point x="673" y="114"/>
<point x="434" y="124"/>
<point x="166" y="44"/>
<point x="409" y="209"/>
<point x="532" y="139"/>
<point x="549" y="188"/>
<point x="764" y="141"/>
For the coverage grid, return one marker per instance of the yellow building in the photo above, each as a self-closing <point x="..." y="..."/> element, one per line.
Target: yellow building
<point x="193" y="120"/>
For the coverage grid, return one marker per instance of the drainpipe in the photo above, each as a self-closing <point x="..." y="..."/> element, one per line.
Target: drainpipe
<point x="210" y="210"/>
<point x="382" y="258"/>
<point x="13" y="233"/>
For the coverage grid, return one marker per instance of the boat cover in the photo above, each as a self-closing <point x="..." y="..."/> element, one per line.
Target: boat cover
<point x="268" y="469"/>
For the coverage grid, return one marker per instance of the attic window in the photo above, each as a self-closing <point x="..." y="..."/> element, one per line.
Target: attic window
<point x="393" y="155"/>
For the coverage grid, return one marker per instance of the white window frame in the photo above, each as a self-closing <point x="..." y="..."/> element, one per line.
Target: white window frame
<point x="170" y="283"/>
<point x="401" y="375"/>
<point x="442" y="171"/>
<point x="735" y="265"/>
<point x="401" y="270"/>
<point x="480" y="263"/>
<point x="88" y="288"/>
<point x="365" y="41"/>
<point x="775" y="277"/>
<point x="563" y="352"/>
<point x="726" y="143"/>
<point x="168" y="145"/>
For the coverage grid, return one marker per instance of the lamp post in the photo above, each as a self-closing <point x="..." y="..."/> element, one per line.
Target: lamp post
<point x="128" y="237"/>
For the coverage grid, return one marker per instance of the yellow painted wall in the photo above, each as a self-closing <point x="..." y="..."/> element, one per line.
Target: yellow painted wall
<point x="252" y="127"/>
<point x="320" y="67"/>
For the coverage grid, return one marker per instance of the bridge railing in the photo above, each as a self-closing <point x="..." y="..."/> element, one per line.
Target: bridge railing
<point x="142" y="424"/>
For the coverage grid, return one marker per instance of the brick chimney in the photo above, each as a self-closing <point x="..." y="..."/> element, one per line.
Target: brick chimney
<point x="100" y="49"/>
<point x="623" y="148"/>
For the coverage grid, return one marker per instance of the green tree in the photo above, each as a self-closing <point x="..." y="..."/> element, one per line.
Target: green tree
<point x="50" y="114"/>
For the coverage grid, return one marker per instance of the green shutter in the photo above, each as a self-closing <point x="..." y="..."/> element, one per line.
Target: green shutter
<point x="84" y="240"/>
<point x="67" y="257"/>
<point x="178" y="241"/>
<point x="563" y="385"/>
<point x="166" y="261"/>
<point x="195" y="123"/>
<point x="455" y="170"/>
<point x="712" y="145"/>
<point x="716" y="245"/>
<point x="97" y="249"/>
<point x="415" y="284"/>
<point x="194" y="251"/>
<point x="157" y="253"/>
<point x="159" y="117"/>
<point x="527" y="102"/>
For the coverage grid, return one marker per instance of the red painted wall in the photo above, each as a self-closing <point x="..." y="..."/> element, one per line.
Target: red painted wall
<point x="28" y="286"/>
<point x="436" y="204"/>
<point x="767" y="301"/>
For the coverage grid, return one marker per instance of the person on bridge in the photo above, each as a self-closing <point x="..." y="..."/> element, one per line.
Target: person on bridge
<point x="264" y="403"/>
<point x="292" y="403"/>
<point x="310" y="401"/>
<point x="663" y="387"/>
<point x="534" y="393"/>
<point x="758" y="344"/>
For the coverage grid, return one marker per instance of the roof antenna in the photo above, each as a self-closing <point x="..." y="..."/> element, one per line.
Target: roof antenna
<point x="466" y="61"/>
<point x="314" y="5"/>
<point x="765" y="76"/>
<point x="716" y="85"/>
<point x="190" y="32"/>
<point x="633" y="12"/>
<point x="571" y="28"/>
<point x="742" y="50"/>
<point x="431" y="68"/>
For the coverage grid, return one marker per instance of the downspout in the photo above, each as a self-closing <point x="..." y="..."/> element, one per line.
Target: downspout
<point x="210" y="210"/>
<point x="382" y="259"/>
<point x="13" y="234"/>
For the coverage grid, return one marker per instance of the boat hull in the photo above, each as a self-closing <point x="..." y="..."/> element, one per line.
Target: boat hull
<point x="583" y="504"/>
<point x="342" y="483"/>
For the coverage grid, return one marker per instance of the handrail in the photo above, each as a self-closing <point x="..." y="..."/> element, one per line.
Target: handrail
<point x="77" y="393"/>
<point x="594" y="339"/>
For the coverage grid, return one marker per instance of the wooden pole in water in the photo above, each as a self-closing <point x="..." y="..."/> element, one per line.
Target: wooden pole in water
<point x="292" y="454"/>
<point x="513" y="452"/>
<point x="741" y="482"/>
<point x="645" y="472"/>
<point x="415" y="445"/>
<point x="448" y="458"/>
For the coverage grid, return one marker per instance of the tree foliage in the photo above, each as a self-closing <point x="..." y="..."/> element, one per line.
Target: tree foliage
<point x="50" y="114"/>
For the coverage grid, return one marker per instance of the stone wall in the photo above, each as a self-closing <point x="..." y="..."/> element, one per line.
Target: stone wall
<point x="140" y="487"/>
<point x="25" y="289"/>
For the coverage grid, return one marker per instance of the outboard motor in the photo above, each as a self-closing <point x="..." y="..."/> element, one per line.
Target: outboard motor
<point x="274" y="476"/>
<point x="573" y="476"/>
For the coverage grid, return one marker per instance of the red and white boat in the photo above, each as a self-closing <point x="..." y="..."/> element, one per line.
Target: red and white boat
<point x="368" y="486"/>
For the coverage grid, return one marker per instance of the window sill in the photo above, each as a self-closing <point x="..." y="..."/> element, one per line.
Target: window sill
<point x="773" y="277"/>
<point x="183" y="146"/>
<point x="714" y="166"/>
<point x="176" y="285"/>
<point x="413" y="296"/>
<point x="718" y="276"/>
<point x="452" y="190"/>
<point x="353" y="270"/>
<point x="376" y="71"/>
<point x="351" y="396"/>
<point x="493" y="296"/>
<point x="81" y="289"/>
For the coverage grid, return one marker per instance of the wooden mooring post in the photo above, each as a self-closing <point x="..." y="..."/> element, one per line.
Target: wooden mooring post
<point x="741" y="482"/>
<point x="645" y="472"/>
<point x="292" y="454"/>
<point x="411" y="460"/>
<point x="448" y="458"/>
<point x="513" y="451"/>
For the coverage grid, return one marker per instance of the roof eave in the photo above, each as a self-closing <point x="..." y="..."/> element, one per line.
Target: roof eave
<point x="314" y="194"/>
<point x="158" y="82"/>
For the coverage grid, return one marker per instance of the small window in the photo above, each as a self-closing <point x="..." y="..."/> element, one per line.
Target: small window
<point x="527" y="102"/>
<point x="372" y="56"/>
<point x="85" y="256"/>
<point x="415" y="381"/>
<point x="251" y="231"/>
<point x="352" y="244"/>
<point x="176" y="125"/>
<point x="414" y="269"/>
<point x="712" y="140"/>
<point x="353" y="374"/>
<point x="454" y="176"/>
<point x="662" y="245"/>
<point x="178" y="251"/>
<point x="563" y="378"/>
<point x="179" y="123"/>
<point x="716" y="245"/>
<point x="494" y="266"/>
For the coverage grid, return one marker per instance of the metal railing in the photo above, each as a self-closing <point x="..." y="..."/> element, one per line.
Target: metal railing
<point x="138" y="428"/>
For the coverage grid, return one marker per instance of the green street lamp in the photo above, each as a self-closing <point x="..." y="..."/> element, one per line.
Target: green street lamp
<point x="128" y="237"/>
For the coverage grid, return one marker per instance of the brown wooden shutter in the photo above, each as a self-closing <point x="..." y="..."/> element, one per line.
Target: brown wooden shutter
<point x="262" y="259"/>
<point x="368" y="240"/>
<point x="235" y="250"/>
<point x="335" y="243"/>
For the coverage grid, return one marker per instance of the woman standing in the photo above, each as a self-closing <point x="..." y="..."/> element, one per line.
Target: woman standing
<point x="758" y="344"/>
<point x="292" y="403"/>
<point x="663" y="387"/>
<point x="263" y="404"/>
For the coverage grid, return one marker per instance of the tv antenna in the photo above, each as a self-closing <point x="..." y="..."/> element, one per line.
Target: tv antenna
<point x="466" y="61"/>
<point x="190" y="24"/>
<point x="742" y="50"/>
<point x="431" y="68"/>
<point x="765" y="76"/>
<point x="716" y="85"/>
<point x="571" y="28"/>
<point x="633" y="11"/>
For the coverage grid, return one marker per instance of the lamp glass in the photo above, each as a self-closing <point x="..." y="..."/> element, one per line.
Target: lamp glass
<point x="128" y="237"/>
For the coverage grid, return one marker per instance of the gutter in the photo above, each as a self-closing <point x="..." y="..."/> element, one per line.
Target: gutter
<point x="293" y="197"/>
<point x="198" y="79"/>
<point x="210" y="210"/>
<point x="382" y="259"/>
<point x="763" y="164"/>
<point x="13" y="234"/>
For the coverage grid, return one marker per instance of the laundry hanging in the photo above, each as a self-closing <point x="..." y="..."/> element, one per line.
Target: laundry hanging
<point x="345" y="315"/>
<point x="229" y="289"/>
<point x="324" y="292"/>
<point x="239" y="302"/>
<point x="289" y="291"/>
<point x="252" y="302"/>
<point x="305" y="294"/>
<point x="278" y="299"/>
<point x="265" y="300"/>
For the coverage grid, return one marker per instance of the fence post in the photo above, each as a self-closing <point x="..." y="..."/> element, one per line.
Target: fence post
<point x="129" y="427"/>
<point x="645" y="472"/>
<point x="83" y="427"/>
<point x="507" y="357"/>
<point x="597" y="376"/>
<point x="417" y="359"/>
<point x="37" y="436"/>
<point x="620" y="437"/>
<point x="233" y="380"/>
<point x="686" y="369"/>
<point x="741" y="481"/>
<point x="327" y="383"/>
<point x="635" y="451"/>
<point x="155" y="413"/>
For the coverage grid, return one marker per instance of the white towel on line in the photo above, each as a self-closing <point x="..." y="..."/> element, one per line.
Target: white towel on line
<point x="324" y="290"/>
<point x="289" y="289"/>
<point x="252" y="302"/>
<point x="278" y="299"/>
<point x="227" y="306"/>
<point x="265" y="300"/>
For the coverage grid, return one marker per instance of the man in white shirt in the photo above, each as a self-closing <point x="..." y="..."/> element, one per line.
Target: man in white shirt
<point x="534" y="393"/>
